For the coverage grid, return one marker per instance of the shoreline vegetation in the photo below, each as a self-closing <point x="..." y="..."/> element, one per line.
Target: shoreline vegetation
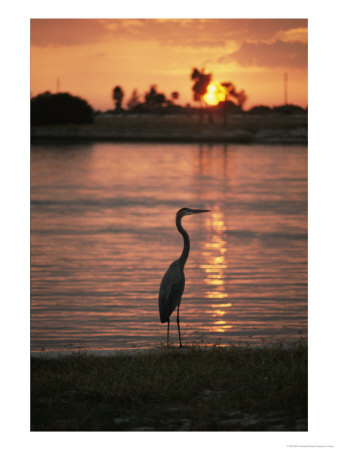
<point x="243" y="127"/>
<point x="170" y="389"/>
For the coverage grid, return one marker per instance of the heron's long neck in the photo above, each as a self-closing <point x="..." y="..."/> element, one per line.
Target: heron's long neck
<point x="185" y="253"/>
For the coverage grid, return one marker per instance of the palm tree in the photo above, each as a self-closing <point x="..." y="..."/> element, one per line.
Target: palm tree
<point x="117" y="96"/>
<point x="199" y="88"/>
<point x="175" y="95"/>
<point x="201" y="83"/>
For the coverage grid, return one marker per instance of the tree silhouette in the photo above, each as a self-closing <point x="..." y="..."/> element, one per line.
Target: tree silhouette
<point x="134" y="100"/>
<point x="240" y="96"/>
<point x="199" y="88"/>
<point x="154" y="99"/>
<point x="175" y="95"/>
<point x="117" y="96"/>
<point x="201" y="83"/>
<point x="60" y="108"/>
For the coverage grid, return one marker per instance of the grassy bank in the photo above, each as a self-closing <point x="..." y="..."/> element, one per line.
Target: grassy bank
<point x="228" y="389"/>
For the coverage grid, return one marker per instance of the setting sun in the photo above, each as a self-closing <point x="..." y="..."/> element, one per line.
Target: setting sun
<point x="215" y="93"/>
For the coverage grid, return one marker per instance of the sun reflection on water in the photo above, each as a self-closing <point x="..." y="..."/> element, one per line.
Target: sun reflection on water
<point x="214" y="267"/>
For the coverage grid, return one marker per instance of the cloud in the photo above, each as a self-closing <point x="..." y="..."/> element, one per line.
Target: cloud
<point x="66" y="32"/>
<point x="192" y="33"/>
<point x="264" y="29"/>
<point x="293" y="35"/>
<point x="276" y="54"/>
<point x="213" y="32"/>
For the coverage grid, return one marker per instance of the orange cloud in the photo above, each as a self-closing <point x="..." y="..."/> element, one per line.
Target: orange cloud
<point x="276" y="54"/>
<point x="184" y="32"/>
<point x="66" y="32"/>
<point x="293" y="35"/>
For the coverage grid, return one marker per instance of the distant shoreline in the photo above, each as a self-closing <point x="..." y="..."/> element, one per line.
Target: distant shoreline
<point x="237" y="136"/>
<point x="178" y="129"/>
<point x="269" y="136"/>
<point x="55" y="354"/>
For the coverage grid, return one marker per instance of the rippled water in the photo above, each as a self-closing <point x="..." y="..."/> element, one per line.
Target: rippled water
<point x="103" y="234"/>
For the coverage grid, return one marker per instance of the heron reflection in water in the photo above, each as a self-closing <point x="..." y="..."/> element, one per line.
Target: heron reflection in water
<point x="172" y="285"/>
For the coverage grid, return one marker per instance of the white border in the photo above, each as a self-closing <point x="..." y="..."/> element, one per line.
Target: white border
<point x="322" y="221"/>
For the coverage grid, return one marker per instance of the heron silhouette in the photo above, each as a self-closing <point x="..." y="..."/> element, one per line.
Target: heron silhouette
<point x="172" y="284"/>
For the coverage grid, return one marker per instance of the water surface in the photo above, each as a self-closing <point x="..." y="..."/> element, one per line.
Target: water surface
<point x="103" y="234"/>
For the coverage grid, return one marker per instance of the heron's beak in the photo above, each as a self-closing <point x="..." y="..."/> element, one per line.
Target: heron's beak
<point x="198" y="211"/>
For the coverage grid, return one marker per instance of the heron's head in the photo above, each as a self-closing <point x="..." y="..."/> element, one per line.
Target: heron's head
<point x="187" y="211"/>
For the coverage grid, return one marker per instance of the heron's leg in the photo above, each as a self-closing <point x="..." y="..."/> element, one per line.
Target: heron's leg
<point x="178" y="324"/>
<point x="168" y="333"/>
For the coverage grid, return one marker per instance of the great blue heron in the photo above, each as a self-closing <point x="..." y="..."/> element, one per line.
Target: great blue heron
<point x="172" y="285"/>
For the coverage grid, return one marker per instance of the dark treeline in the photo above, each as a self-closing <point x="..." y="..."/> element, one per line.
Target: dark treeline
<point x="65" y="108"/>
<point x="153" y="102"/>
<point x="156" y="102"/>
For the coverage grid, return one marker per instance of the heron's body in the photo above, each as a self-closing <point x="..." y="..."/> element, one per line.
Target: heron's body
<point x="171" y="290"/>
<point x="172" y="285"/>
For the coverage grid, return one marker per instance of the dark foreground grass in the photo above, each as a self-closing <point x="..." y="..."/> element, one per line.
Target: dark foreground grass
<point x="225" y="389"/>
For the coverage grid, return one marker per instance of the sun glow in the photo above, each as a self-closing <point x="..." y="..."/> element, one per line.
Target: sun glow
<point x="215" y="93"/>
<point x="214" y="265"/>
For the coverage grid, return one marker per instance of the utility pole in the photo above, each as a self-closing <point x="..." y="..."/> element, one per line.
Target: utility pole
<point x="285" y="88"/>
<point x="58" y="85"/>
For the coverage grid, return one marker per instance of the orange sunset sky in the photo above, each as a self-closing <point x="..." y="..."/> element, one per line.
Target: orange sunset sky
<point x="91" y="56"/>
